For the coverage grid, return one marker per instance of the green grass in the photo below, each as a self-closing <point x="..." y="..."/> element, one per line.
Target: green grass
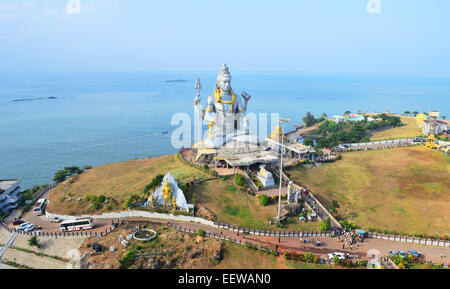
<point x="302" y="265"/>
<point x="236" y="207"/>
<point x="402" y="189"/>
<point x="410" y="130"/>
<point x="117" y="182"/>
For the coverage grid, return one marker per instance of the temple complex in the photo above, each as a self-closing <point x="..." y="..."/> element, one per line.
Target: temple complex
<point x="228" y="142"/>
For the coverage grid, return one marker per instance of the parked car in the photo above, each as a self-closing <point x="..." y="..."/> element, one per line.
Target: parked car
<point x="23" y="226"/>
<point x="392" y="253"/>
<point x="17" y="223"/>
<point x="55" y="219"/>
<point x="414" y="253"/>
<point x="29" y="228"/>
<point x="341" y="256"/>
<point x="401" y="253"/>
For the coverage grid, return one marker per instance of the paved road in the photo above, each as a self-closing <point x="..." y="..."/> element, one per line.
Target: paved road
<point x="328" y="244"/>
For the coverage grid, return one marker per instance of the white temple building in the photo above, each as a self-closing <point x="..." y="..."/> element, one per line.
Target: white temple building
<point x="265" y="177"/>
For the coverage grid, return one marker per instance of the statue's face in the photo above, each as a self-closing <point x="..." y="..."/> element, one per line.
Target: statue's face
<point x="224" y="83"/>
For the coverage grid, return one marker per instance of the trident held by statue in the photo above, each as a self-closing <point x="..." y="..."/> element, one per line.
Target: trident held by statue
<point x="198" y="87"/>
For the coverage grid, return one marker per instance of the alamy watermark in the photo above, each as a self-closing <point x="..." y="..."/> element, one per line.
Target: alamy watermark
<point x="373" y="7"/>
<point x="190" y="131"/>
<point x="73" y="7"/>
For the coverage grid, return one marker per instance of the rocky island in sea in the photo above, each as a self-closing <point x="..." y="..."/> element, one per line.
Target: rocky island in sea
<point x="31" y="99"/>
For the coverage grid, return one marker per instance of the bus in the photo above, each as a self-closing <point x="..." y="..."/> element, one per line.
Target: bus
<point x="39" y="207"/>
<point x="77" y="224"/>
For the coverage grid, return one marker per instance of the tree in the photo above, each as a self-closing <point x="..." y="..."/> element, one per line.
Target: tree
<point x="444" y="117"/>
<point x="308" y="142"/>
<point x="62" y="175"/>
<point x="309" y="257"/>
<point x="309" y="119"/>
<point x="407" y="112"/>
<point x="336" y="259"/>
<point x="325" y="226"/>
<point x="239" y="180"/>
<point x="86" y="168"/>
<point x="264" y="200"/>
<point x="334" y="206"/>
<point x="415" y="113"/>
<point x="347" y="112"/>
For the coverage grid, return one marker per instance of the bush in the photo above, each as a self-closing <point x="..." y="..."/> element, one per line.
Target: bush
<point x="33" y="241"/>
<point x="316" y="259"/>
<point x="301" y="257"/>
<point x="127" y="260"/>
<point x="201" y="232"/>
<point x="287" y="255"/>
<point x="95" y="205"/>
<point x="264" y="200"/>
<point x="348" y="263"/>
<point x="336" y="260"/>
<point x="239" y="180"/>
<point x="309" y="257"/>
<point x="101" y="199"/>
<point x="362" y="262"/>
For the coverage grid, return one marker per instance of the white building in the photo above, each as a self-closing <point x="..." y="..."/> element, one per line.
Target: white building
<point x="434" y="126"/>
<point x="9" y="195"/>
<point x="339" y="118"/>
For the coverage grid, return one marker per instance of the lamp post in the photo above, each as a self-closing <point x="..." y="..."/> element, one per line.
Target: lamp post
<point x="283" y="120"/>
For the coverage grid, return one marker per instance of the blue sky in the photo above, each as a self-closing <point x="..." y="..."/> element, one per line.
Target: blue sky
<point x="287" y="36"/>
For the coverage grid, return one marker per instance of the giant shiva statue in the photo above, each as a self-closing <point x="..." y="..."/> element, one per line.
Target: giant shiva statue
<point x="224" y="113"/>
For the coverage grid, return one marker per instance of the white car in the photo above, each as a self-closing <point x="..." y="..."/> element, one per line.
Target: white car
<point x="29" y="228"/>
<point x="23" y="226"/>
<point x="55" y="219"/>
<point x="341" y="256"/>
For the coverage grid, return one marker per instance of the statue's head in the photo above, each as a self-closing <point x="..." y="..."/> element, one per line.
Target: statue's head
<point x="224" y="79"/>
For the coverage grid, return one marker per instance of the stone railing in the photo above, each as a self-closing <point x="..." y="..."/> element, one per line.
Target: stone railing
<point x="43" y="191"/>
<point x="271" y="233"/>
<point x="223" y="237"/>
<point x="408" y="239"/>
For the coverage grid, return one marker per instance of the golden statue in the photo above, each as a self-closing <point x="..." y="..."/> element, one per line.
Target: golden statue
<point x="167" y="193"/>
<point x="153" y="201"/>
<point x="174" y="203"/>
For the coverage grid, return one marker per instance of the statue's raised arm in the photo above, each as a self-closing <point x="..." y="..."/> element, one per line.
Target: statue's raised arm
<point x="246" y="96"/>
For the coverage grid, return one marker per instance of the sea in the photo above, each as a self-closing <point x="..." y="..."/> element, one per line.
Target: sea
<point x="50" y="121"/>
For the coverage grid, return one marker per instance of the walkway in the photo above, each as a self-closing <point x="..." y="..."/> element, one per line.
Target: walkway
<point x="8" y="244"/>
<point x="328" y="244"/>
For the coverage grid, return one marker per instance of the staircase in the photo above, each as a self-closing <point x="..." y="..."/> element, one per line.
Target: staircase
<point x="8" y="244"/>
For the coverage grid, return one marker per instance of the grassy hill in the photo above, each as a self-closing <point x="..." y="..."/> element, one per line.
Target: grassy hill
<point x="410" y="130"/>
<point x="402" y="189"/>
<point x="116" y="182"/>
<point x="228" y="202"/>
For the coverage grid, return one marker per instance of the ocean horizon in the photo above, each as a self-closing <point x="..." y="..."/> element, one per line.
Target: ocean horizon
<point x="50" y="121"/>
